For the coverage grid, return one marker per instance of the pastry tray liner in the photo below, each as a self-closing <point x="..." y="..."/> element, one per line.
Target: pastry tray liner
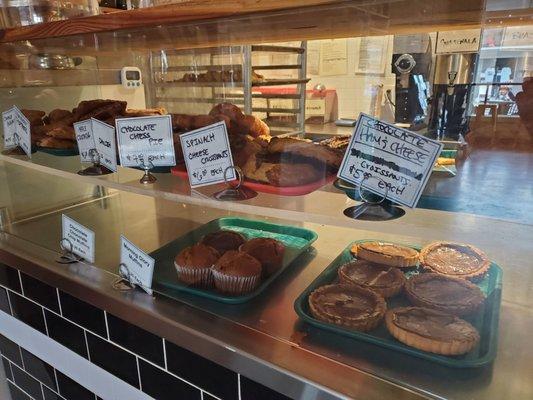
<point x="485" y="320"/>
<point x="295" y="239"/>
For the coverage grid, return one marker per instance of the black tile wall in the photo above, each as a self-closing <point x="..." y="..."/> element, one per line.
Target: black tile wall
<point x="163" y="386"/>
<point x="28" y="312"/>
<point x="83" y="314"/>
<point x="10" y="350"/>
<point x="40" y="292"/>
<point x="17" y="394"/>
<point x="4" y="302"/>
<point x="72" y="390"/>
<point x="113" y="359"/>
<point x="39" y="369"/>
<point x="251" y="390"/>
<point x="7" y="368"/>
<point x="50" y="394"/>
<point x="66" y="333"/>
<point x="9" y="277"/>
<point x="204" y="373"/>
<point x="137" y="340"/>
<point x="27" y="383"/>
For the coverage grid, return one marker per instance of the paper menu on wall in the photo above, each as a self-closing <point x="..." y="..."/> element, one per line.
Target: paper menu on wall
<point x="146" y="139"/>
<point x="401" y="160"/>
<point x="333" y="57"/>
<point x="459" y="41"/>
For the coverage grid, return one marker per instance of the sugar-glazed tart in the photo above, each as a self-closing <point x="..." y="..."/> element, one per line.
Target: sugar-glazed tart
<point x="384" y="253"/>
<point x="385" y="280"/>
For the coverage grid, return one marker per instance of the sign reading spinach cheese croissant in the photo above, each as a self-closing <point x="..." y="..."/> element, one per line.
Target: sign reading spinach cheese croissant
<point x="400" y="159"/>
<point x="144" y="140"/>
<point x="207" y="155"/>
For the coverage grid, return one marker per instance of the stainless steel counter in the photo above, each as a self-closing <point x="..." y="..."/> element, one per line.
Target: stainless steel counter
<point x="264" y="338"/>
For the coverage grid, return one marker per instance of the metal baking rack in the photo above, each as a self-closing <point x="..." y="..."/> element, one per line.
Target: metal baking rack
<point x="201" y="95"/>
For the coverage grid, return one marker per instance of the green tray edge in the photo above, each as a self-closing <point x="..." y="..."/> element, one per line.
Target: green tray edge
<point x="307" y="234"/>
<point x="489" y="356"/>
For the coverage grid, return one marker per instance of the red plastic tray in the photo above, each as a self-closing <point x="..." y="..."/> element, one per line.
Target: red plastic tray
<point x="181" y="171"/>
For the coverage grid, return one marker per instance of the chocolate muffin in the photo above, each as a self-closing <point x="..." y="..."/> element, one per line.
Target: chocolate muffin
<point x="236" y="273"/>
<point x="223" y="240"/>
<point x="268" y="251"/>
<point x="193" y="265"/>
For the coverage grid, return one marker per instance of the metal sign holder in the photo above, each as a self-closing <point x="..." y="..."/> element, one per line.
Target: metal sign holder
<point x="67" y="256"/>
<point x="127" y="281"/>
<point x="147" y="178"/>
<point x="95" y="169"/>
<point x="373" y="210"/>
<point x="237" y="192"/>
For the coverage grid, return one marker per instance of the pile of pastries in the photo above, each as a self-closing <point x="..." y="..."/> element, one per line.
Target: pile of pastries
<point x="229" y="263"/>
<point x="439" y="296"/>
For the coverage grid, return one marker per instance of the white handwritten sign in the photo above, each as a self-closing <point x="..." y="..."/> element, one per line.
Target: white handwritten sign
<point x="23" y="133"/>
<point x="518" y="36"/>
<point x="105" y="143"/>
<point x="80" y="237"/>
<point x="146" y="139"/>
<point x="9" y="122"/>
<point x="207" y="155"/>
<point x="85" y="139"/>
<point x="136" y="265"/>
<point x="401" y="159"/>
<point x="461" y="41"/>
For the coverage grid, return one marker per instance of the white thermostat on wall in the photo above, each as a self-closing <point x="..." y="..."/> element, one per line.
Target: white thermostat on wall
<point x="130" y="77"/>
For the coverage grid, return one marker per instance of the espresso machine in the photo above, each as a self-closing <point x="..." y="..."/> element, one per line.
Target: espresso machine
<point x="454" y="74"/>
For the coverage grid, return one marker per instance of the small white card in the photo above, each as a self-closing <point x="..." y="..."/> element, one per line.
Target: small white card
<point x="136" y="265"/>
<point x="401" y="159"/>
<point x="146" y="139"/>
<point x="9" y="123"/>
<point x="85" y="139"/>
<point x="105" y="143"/>
<point x="24" y="133"/>
<point x="207" y="155"/>
<point x="80" y="237"/>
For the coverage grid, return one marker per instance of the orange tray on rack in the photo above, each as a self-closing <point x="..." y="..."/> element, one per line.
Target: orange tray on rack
<point x="181" y="171"/>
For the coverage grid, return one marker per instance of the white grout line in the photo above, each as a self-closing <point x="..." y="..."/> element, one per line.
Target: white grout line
<point x="55" y="377"/>
<point x="165" y="354"/>
<point x="21" y="359"/>
<point x="87" y="345"/>
<point x="115" y="344"/>
<point x="201" y="395"/>
<point x="22" y="390"/>
<point x="106" y="325"/>
<point x="59" y="302"/>
<point x="239" y="386"/>
<point x="139" y="373"/>
<point x="45" y="323"/>
<point x="8" y="300"/>
<point x="42" y="388"/>
<point x="20" y="280"/>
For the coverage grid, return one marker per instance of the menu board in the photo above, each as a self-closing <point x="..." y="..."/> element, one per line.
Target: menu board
<point x="207" y="155"/>
<point x="146" y="139"/>
<point x="401" y="160"/>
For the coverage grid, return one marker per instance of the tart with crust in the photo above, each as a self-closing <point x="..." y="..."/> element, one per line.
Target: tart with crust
<point x="387" y="281"/>
<point x="454" y="259"/>
<point x="384" y="253"/>
<point x="431" y="330"/>
<point x="447" y="294"/>
<point x="351" y="306"/>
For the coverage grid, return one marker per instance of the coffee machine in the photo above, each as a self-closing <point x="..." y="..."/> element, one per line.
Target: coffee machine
<point x="454" y="74"/>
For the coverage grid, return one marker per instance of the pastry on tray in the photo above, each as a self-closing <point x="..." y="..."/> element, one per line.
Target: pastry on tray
<point x="385" y="280"/>
<point x="223" y="240"/>
<point x="384" y="253"/>
<point x="431" y="330"/>
<point x="350" y="306"/>
<point x="305" y="149"/>
<point x="53" y="143"/>
<point x="269" y="252"/>
<point x="454" y="259"/>
<point x="193" y="265"/>
<point x="236" y="273"/>
<point x="451" y="295"/>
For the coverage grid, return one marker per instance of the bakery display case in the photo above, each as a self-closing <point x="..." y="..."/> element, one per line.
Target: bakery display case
<point x="126" y="273"/>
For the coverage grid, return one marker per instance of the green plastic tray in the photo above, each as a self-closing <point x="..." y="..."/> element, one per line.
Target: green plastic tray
<point x="485" y="321"/>
<point x="59" y="152"/>
<point x="296" y="241"/>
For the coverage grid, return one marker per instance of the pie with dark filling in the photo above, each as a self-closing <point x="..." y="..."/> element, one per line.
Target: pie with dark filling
<point x="385" y="253"/>
<point x="454" y="259"/>
<point x="452" y="295"/>
<point x="350" y="306"/>
<point x="387" y="281"/>
<point x="431" y="330"/>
